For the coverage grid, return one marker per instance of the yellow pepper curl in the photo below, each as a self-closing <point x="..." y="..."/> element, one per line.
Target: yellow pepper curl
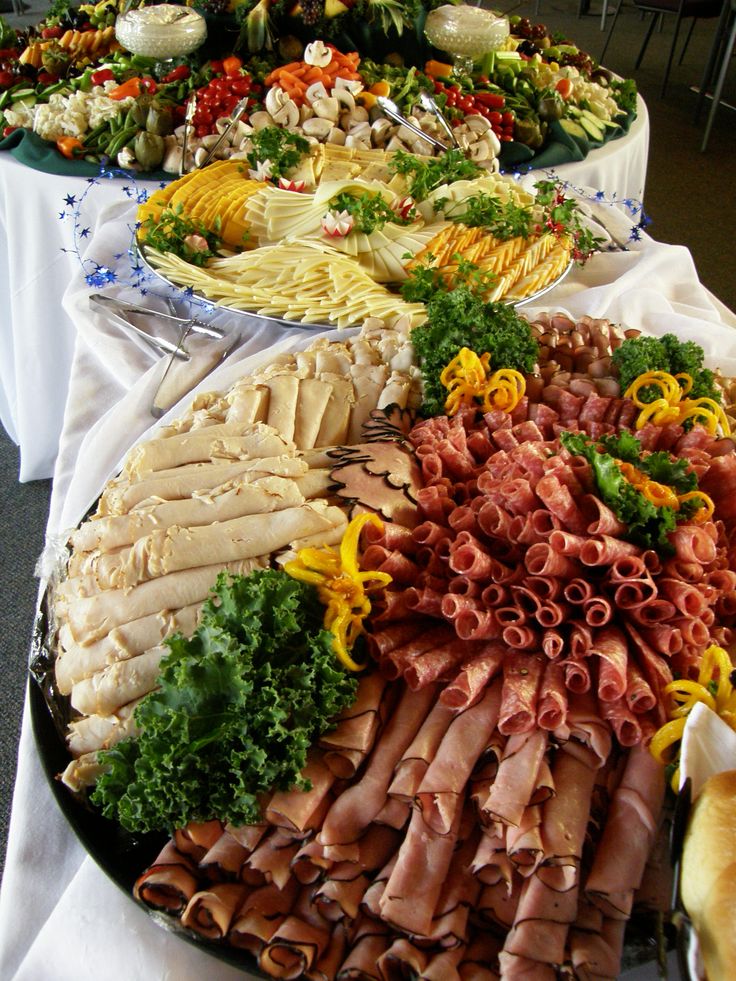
<point x="682" y="695"/>
<point x="672" y="406"/>
<point x="341" y="586"/>
<point x="467" y="380"/>
<point x="663" y="496"/>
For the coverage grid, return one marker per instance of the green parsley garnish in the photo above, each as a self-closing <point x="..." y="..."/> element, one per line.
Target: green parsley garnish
<point x="172" y="230"/>
<point x="282" y="148"/>
<point x="423" y="175"/>
<point x="369" y="211"/>
<point x="638" y="355"/>
<point x="459" y="318"/>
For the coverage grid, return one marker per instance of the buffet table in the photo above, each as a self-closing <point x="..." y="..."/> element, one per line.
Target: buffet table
<point x="60" y="917"/>
<point x="37" y="336"/>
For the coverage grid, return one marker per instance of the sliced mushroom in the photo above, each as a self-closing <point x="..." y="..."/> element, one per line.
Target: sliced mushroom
<point x="328" y="108"/>
<point x="381" y="131"/>
<point x="276" y="97"/>
<point x="362" y="130"/>
<point x="288" y="114"/>
<point x="316" y="91"/>
<point x="200" y="155"/>
<point x="479" y="151"/>
<point x="352" y="85"/>
<point x="259" y="120"/>
<point x="318" y="127"/>
<point x="346" y="98"/>
<point x="358" y="142"/>
<point x="478" y="124"/>
<point x="337" y="136"/>
<point x="318" y="54"/>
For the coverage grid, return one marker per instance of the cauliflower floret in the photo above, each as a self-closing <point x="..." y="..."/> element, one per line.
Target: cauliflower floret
<point x="20" y="115"/>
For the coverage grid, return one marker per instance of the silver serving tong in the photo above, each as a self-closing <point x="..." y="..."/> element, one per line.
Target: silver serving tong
<point x="120" y="307"/>
<point x="428" y="103"/>
<point x="391" y="110"/>
<point x="234" y="117"/>
<point x="160" y="344"/>
<point x="188" y="117"/>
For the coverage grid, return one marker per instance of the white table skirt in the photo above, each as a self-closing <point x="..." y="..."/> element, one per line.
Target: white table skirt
<point x="38" y="213"/>
<point x="60" y="918"/>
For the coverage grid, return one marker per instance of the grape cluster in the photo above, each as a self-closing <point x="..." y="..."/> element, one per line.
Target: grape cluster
<point x="580" y="60"/>
<point x="312" y="10"/>
<point x="214" y="7"/>
<point x="525" y="29"/>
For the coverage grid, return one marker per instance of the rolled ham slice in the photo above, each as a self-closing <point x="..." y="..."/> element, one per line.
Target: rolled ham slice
<point x="413" y="765"/>
<point x="210" y="912"/>
<point x="298" y="944"/>
<point x="516" y="779"/>
<point x="293" y="809"/>
<point x="565" y="819"/>
<point x="425" y="857"/>
<point x="346" y="746"/>
<point x="169" y="883"/>
<point x="261" y="913"/>
<point x="628" y="835"/>
<point x="354" y="809"/>
<point x="443" y="786"/>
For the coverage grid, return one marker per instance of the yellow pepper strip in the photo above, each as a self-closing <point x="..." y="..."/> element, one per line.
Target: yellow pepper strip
<point x="673" y="406"/>
<point x="716" y="657"/>
<point x="466" y="379"/>
<point x="667" y="383"/>
<point x="341" y="586"/>
<point x="684" y="694"/>
<point x="704" y="513"/>
<point x="660" y="495"/>
<point x="664" y="739"/>
<point x="660" y="412"/>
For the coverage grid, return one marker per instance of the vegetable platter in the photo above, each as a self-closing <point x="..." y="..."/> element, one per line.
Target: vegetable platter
<point x="69" y="82"/>
<point x="329" y="234"/>
<point x="438" y="595"/>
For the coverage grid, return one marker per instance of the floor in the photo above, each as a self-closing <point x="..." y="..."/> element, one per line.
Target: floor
<point x="689" y="197"/>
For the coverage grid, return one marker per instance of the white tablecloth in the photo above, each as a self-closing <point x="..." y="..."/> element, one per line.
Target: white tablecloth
<point x="41" y="216"/>
<point x="60" y="917"/>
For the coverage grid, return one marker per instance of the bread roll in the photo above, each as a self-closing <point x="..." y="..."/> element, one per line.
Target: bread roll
<point x="708" y="884"/>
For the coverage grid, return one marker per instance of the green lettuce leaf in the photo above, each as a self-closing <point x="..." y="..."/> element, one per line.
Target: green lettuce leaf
<point x="238" y="706"/>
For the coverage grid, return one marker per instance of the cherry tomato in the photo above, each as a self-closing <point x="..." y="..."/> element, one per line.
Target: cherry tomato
<point x="508" y="118"/>
<point x="7" y="130"/>
<point x="496" y="117"/>
<point x="48" y="33"/>
<point x="7" y="79"/>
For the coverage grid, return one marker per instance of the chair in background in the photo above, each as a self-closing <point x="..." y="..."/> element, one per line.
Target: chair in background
<point x="719" y="59"/>
<point x="682" y="9"/>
